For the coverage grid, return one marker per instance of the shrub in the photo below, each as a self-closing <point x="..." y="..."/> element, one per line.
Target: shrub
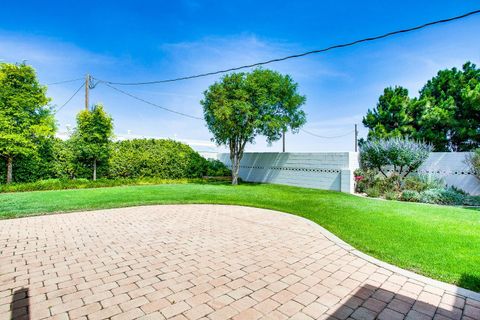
<point x="410" y="195"/>
<point x="447" y="196"/>
<point x="159" y="158"/>
<point x="373" y="192"/>
<point x="421" y="182"/>
<point x="216" y="168"/>
<point x="400" y="154"/>
<point x="391" y="195"/>
<point x="365" y="179"/>
<point x="473" y="160"/>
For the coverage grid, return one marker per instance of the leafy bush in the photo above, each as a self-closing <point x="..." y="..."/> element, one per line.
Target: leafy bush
<point x="391" y="195"/>
<point x="446" y="196"/>
<point x="216" y="168"/>
<point x="400" y="154"/>
<point x="373" y="192"/>
<point x="157" y="158"/>
<point x="410" y="195"/>
<point x="421" y="182"/>
<point x="474" y="161"/>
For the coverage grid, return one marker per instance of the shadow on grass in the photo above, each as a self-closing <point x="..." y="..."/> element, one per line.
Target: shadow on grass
<point x="20" y="305"/>
<point x="470" y="281"/>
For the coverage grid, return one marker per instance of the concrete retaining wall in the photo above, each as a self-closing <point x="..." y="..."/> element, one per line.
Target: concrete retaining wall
<point x="334" y="170"/>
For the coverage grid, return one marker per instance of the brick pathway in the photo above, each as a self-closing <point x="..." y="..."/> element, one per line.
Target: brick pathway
<point x="202" y="261"/>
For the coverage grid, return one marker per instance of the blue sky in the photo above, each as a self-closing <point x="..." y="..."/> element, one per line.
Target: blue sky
<point x="148" y="40"/>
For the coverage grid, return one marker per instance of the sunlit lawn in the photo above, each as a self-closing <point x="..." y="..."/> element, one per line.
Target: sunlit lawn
<point x="440" y="242"/>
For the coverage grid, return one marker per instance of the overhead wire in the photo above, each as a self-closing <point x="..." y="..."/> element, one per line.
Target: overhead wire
<point x="337" y="46"/>
<point x="64" y="81"/>
<point x="327" y="137"/>
<point x="151" y="103"/>
<point x="70" y="99"/>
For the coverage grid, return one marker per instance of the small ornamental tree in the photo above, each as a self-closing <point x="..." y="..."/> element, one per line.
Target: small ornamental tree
<point x="92" y="137"/>
<point x="244" y="105"/>
<point x="25" y="118"/>
<point x="403" y="156"/>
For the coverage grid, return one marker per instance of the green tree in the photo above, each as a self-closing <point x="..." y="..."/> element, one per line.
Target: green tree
<point x="92" y="137"/>
<point x="392" y="117"/>
<point x="446" y="114"/>
<point x="449" y="109"/>
<point x="25" y="118"/>
<point x="244" y="105"/>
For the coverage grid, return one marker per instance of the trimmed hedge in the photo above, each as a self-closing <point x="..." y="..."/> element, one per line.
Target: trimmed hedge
<point x="166" y="159"/>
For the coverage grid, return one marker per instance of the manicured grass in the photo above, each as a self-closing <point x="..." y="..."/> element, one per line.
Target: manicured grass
<point x="440" y="242"/>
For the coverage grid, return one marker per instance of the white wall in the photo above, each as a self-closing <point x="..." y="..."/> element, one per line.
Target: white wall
<point x="325" y="170"/>
<point x="452" y="167"/>
<point x="334" y="170"/>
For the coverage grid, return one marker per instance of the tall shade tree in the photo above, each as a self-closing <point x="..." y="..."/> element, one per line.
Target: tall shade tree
<point x="450" y="109"/>
<point x="392" y="117"/>
<point x="92" y="137"/>
<point x="244" y="105"/>
<point x="25" y="118"/>
<point x="446" y="114"/>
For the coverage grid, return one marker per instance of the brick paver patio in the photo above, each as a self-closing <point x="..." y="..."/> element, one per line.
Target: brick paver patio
<point x="202" y="261"/>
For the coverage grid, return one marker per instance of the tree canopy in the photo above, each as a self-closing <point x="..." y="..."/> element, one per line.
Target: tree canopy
<point x="25" y="118"/>
<point x="92" y="136"/>
<point x="446" y="113"/>
<point x="244" y="105"/>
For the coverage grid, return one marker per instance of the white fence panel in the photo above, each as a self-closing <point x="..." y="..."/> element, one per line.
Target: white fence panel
<point x="454" y="169"/>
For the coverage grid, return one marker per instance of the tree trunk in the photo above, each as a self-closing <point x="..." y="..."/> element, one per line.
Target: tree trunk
<point x="94" y="169"/>
<point x="9" y="169"/>
<point x="235" y="169"/>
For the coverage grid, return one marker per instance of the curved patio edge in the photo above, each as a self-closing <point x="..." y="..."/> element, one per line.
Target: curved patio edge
<point x="435" y="283"/>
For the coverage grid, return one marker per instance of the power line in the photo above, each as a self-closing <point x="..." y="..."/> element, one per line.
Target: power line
<point x="70" y="99"/>
<point x="153" y="104"/>
<point x="343" y="45"/>
<point x="65" y="81"/>
<point x="327" y="137"/>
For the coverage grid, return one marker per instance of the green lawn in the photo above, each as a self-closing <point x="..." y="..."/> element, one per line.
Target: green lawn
<point x="440" y="242"/>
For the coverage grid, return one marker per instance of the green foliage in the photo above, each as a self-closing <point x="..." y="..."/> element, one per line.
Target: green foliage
<point x="25" y="120"/>
<point x="63" y="184"/>
<point x="473" y="160"/>
<point x="446" y="114"/>
<point x="92" y="137"/>
<point x="410" y="195"/>
<point x="421" y="182"/>
<point x="373" y="192"/>
<point x="447" y="196"/>
<point x="392" y="195"/>
<point x="166" y="159"/>
<point x="216" y="168"/>
<point x="392" y="117"/>
<point x="244" y="105"/>
<point x="401" y="155"/>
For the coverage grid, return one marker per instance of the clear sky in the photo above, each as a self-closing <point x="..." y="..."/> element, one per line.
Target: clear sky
<point x="148" y="40"/>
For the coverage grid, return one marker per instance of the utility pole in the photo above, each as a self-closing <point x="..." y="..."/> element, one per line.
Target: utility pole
<point x="356" y="138"/>
<point x="283" y="138"/>
<point x="87" y="86"/>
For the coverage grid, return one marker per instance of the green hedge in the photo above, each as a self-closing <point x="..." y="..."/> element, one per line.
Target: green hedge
<point x="130" y="159"/>
<point x="157" y="158"/>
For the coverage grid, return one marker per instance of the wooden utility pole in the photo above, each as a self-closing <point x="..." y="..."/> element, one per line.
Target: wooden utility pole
<point x="87" y="85"/>
<point x="356" y="138"/>
<point x="283" y="138"/>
